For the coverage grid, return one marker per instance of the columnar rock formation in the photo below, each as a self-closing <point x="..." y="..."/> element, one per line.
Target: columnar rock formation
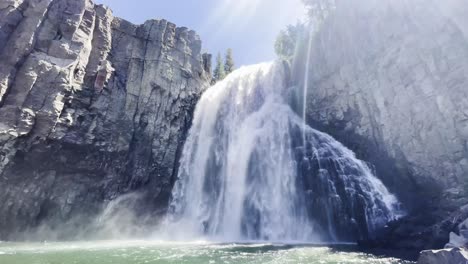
<point x="91" y="106"/>
<point x="389" y="79"/>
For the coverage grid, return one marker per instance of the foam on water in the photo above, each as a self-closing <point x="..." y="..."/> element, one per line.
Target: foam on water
<point x="138" y="252"/>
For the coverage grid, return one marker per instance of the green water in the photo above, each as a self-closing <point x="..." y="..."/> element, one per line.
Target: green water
<point x="132" y="252"/>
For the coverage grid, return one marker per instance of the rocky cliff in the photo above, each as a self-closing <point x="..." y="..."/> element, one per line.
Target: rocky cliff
<point x="91" y="107"/>
<point x="389" y="79"/>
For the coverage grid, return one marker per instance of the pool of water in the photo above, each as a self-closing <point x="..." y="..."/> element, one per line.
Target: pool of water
<point x="133" y="252"/>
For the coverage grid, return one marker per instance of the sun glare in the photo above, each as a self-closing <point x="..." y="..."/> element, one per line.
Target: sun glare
<point x="233" y="12"/>
<point x="257" y="21"/>
<point x="238" y="15"/>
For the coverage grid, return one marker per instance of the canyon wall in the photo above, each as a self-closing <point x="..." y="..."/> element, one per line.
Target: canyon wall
<point x="91" y="107"/>
<point x="389" y="79"/>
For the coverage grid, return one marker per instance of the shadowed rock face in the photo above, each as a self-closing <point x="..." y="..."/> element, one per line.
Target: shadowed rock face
<point x="389" y="79"/>
<point x="91" y="107"/>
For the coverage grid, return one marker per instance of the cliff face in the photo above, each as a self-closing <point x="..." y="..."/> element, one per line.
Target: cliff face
<point x="389" y="79"/>
<point x="91" y="107"/>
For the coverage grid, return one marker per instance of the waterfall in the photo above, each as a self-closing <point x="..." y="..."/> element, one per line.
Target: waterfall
<point x="246" y="174"/>
<point x="305" y="87"/>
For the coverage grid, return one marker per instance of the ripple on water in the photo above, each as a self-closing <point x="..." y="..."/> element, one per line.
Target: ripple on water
<point x="137" y="252"/>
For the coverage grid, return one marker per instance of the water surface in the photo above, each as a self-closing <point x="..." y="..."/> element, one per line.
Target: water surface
<point x="133" y="252"/>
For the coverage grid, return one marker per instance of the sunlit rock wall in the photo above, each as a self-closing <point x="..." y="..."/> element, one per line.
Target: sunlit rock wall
<point x="91" y="106"/>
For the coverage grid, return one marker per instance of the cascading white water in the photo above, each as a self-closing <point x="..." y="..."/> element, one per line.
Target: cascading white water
<point x="243" y="175"/>
<point x="305" y="87"/>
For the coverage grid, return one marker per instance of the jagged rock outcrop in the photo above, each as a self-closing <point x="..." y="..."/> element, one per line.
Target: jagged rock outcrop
<point x="91" y="107"/>
<point x="389" y="79"/>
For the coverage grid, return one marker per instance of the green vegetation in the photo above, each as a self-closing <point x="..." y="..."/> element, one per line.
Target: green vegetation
<point x="229" y="62"/>
<point x="219" y="72"/>
<point x="287" y="41"/>
<point x="223" y="68"/>
<point x="319" y="9"/>
<point x="290" y="40"/>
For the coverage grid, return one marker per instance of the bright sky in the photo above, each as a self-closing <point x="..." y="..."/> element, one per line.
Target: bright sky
<point x="249" y="27"/>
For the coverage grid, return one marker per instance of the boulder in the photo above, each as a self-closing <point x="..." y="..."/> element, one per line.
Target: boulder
<point x="444" y="256"/>
<point x="456" y="241"/>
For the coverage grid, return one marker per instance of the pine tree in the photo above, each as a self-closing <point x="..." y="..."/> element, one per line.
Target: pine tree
<point x="229" y="62"/>
<point x="219" y="72"/>
<point x="288" y="40"/>
<point x="319" y="9"/>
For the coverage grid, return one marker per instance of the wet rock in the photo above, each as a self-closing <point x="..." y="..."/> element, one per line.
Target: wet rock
<point x="464" y="234"/>
<point x="456" y="241"/>
<point x="463" y="225"/>
<point x="444" y="256"/>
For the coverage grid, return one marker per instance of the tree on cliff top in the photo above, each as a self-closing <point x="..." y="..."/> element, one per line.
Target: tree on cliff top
<point x="219" y="72"/>
<point x="319" y="9"/>
<point x="229" y="62"/>
<point x="222" y="69"/>
<point x="294" y="38"/>
<point x="288" y="40"/>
